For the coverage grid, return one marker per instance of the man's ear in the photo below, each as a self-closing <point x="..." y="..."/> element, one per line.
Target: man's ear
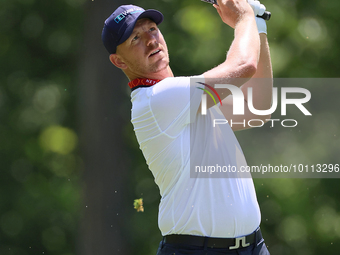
<point x="117" y="61"/>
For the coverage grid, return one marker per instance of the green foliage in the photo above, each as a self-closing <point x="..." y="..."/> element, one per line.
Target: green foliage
<point x="40" y="194"/>
<point x="40" y="167"/>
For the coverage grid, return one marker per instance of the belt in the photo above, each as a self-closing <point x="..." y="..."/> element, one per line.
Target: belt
<point x="213" y="242"/>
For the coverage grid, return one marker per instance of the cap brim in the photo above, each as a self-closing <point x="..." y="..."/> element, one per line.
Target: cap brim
<point x="154" y="15"/>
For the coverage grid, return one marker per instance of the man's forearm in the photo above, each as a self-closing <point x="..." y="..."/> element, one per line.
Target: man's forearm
<point x="264" y="67"/>
<point x="243" y="54"/>
<point x="241" y="62"/>
<point x="245" y="48"/>
<point x="262" y="88"/>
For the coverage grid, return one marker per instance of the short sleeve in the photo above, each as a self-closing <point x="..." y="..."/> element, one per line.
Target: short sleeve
<point x="175" y="101"/>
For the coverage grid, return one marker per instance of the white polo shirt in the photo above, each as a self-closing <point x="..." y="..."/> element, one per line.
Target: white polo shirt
<point x="174" y="138"/>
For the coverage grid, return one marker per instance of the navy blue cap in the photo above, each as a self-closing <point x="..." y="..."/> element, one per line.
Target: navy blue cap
<point x="119" y="26"/>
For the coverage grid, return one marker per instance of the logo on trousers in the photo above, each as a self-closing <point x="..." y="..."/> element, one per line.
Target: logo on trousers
<point x="239" y="240"/>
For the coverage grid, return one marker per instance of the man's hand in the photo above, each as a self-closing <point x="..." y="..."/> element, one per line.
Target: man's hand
<point x="232" y="11"/>
<point x="257" y="7"/>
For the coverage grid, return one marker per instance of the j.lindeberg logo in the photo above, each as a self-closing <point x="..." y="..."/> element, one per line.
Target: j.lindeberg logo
<point x="239" y="103"/>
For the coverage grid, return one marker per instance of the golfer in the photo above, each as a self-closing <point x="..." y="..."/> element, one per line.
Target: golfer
<point x="197" y="215"/>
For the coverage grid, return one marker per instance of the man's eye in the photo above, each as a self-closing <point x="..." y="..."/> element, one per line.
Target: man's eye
<point x="135" y="38"/>
<point x="152" y="29"/>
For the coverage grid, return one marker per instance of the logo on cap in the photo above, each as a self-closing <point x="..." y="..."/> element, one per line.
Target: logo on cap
<point x="122" y="15"/>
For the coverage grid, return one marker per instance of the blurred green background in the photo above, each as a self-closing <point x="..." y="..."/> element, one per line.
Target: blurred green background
<point x="69" y="161"/>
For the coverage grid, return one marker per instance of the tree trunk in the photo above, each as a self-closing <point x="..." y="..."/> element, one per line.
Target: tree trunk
<point x="104" y="110"/>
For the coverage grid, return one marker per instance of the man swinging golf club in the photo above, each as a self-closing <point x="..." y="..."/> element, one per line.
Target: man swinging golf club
<point x="196" y="215"/>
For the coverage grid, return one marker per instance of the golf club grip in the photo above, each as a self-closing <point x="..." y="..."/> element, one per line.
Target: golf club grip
<point x="266" y="15"/>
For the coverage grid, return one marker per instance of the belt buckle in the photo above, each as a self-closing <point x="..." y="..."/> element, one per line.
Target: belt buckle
<point x="239" y="240"/>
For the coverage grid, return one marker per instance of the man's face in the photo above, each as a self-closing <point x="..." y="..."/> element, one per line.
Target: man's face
<point x="145" y="51"/>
